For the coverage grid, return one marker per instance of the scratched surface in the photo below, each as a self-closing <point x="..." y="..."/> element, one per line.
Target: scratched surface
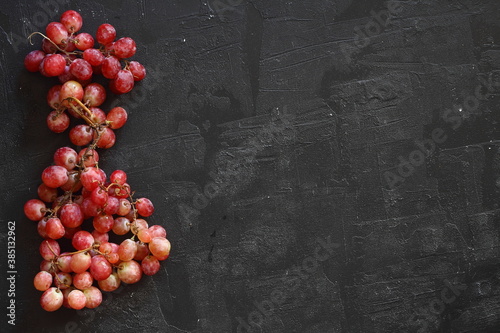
<point x="319" y="166"/>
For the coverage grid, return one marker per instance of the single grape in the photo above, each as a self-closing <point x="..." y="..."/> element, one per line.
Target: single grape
<point x="49" y="249"/>
<point x="106" y="33"/>
<point x="80" y="262"/>
<point x="91" y="178"/>
<point x="83" y="280"/>
<point x="52" y="299"/>
<point x="33" y="59"/>
<point x="54" y="228"/>
<point x="46" y="265"/>
<point x="93" y="57"/>
<point x="111" y="283"/>
<point x="110" y="67"/>
<point x="144" y="207"/>
<point x="140" y="224"/>
<point x="124" y="207"/>
<point x="42" y="280"/>
<point x="94" y="297"/>
<point x="71" y="215"/>
<point x="121" y="226"/>
<point x="54" y="176"/>
<point x="117" y="117"/>
<point x="100" y="268"/>
<point x="82" y="240"/>
<point x="47" y="194"/>
<point x="53" y="64"/>
<point x="90" y="209"/>
<point x="127" y="250"/>
<point x="124" y="48"/>
<point x="71" y="20"/>
<point x="137" y="70"/>
<point x="129" y="271"/>
<point x="73" y="184"/>
<point x="48" y="47"/>
<point x="123" y="82"/>
<point x="103" y="223"/>
<point x="66" y="157"/>
<point x="99" y="196"/>
<point x="159" y="247"/>
<point x="150" y="265"/>
<point x="80" y="135"/>
<point x="66" y="75"/>
<point x="94" y="94"/>
<point x="84" y="41"/>
<point x="81" y="69"/>
<point x="77" y="299"/>
<point x="34" y="209"/>
<point x="57" y="121"/>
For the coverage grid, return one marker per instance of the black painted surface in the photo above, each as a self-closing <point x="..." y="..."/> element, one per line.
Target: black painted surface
<point x="291" y="121"/>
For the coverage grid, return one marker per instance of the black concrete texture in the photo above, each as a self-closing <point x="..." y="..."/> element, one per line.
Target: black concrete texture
<point x="320" y="166"/>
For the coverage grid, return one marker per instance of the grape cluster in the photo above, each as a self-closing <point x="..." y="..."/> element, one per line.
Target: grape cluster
<point x="75" y="190"/>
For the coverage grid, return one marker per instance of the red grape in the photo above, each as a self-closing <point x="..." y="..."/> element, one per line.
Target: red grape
<point x="129" y="271"/>
<point x="110" y="67"/>
<point x="84" y="41"/>
<point x="42" y="281"/>
<point x="54" y="176"/>
<point x="83" y="280"/>
<point x="123" y="82"/>
<point x="82" y="240"/>
<point x="117" y="117"/>
<point x="71" y="20"/>
<point x="66" y="157"/>
<point x="94" y="297"/>
<point x="80" y="135"/>
<point x="51" y="299"/>
<point x="124" y="47"/>
<point x="81" y="69"/>
<point x="144" y="207"/>
<point x="106" y="33"/>
<point x="57" y="121"/>
<point x="54" y="228"/>
<point x="94" y="94"/>
<point x="150" y="265"/>
<point x="53" y="64"/>
<point x="57" y="32"/>
<point x="93" y="56"/>
<point x="159" y="247"/>
<point x="137" y="70"/>
<point x="33" y="59"/>
<point x="71" y="215"/>
<point x="80" y="262"/>
<point x="77" y="299"/>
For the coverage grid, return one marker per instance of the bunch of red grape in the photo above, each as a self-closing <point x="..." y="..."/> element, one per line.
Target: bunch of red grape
<point x="76" y="189"/>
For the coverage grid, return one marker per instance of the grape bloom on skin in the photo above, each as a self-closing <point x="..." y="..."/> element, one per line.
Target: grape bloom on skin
<point x="77" y="199"/>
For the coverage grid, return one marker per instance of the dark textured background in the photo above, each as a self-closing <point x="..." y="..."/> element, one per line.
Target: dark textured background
<point x="260" y="99"/>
